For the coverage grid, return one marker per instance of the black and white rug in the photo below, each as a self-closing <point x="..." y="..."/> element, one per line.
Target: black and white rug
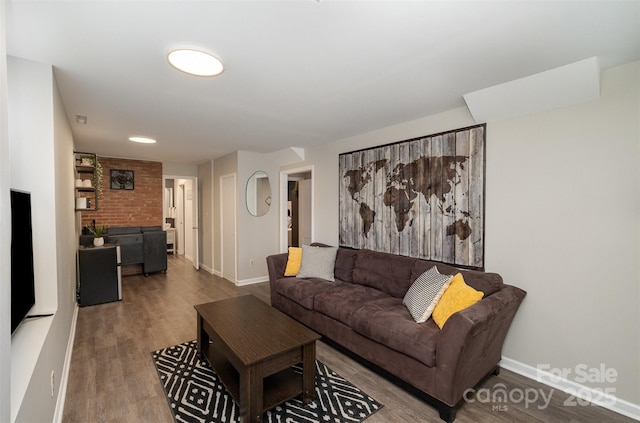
<point x="196" y="394"/>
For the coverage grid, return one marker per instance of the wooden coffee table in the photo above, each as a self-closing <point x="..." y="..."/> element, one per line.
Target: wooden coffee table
<point x="252" y="346"/>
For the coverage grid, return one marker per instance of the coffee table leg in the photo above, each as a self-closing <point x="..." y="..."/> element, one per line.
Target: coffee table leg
<point x="251" y="394"/>
<point x="309" y="373"/>
<point x="203" y="338"/>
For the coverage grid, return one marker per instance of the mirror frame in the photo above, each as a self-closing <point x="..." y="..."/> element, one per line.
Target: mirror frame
<point x="257" y="203"/>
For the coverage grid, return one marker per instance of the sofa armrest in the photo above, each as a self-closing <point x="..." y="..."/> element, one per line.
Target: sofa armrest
<point x="470" y="344"/>
<point x="276" y="265"/>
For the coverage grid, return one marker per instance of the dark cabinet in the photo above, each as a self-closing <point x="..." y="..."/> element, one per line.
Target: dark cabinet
<point x="155" y="252"/>
<point x="99" y="279"/>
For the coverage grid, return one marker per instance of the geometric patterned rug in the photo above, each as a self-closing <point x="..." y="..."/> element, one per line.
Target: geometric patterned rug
<point x="196" y="394"/>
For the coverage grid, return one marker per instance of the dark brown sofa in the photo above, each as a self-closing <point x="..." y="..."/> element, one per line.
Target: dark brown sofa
<point x="362" y="312"/>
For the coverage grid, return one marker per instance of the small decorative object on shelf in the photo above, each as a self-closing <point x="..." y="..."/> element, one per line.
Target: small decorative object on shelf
<point x="97" y="231"/>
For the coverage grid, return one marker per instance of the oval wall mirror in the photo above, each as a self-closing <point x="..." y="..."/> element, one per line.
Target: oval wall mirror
<point x="258" y="194"/>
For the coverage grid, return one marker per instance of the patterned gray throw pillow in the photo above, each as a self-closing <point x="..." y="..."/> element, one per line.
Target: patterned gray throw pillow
<point x="318" y="262"/>
<point x="424" y="294"/>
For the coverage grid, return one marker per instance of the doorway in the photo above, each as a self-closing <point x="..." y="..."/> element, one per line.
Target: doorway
<point x="180" y="215"/>
<point x="296" y="194"/>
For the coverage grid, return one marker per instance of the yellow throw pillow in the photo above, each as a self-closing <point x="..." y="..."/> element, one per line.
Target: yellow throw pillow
<point x="457" y="297"/>
<point x="293" y="261"/>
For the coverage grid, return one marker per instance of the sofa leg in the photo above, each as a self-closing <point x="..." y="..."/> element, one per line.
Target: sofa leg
<point x="496" y="371"/>
<point x="448" y="414"/>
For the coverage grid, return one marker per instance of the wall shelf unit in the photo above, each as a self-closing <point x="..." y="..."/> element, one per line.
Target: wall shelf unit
<point x="86" y="197"/>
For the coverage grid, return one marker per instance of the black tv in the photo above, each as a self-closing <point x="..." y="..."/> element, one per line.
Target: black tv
<point x="23" y="296"/>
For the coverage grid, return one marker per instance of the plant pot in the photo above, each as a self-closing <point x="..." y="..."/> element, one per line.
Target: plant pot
<point x="98" y="242"/>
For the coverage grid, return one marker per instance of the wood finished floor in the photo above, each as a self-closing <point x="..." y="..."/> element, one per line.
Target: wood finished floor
<point x="112" y="378"/>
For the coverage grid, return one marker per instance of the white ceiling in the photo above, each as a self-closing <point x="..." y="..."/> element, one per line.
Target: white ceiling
<point x="298" y="72"/>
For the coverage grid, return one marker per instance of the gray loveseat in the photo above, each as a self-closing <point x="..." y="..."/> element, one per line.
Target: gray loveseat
<point x="362" y="312"/>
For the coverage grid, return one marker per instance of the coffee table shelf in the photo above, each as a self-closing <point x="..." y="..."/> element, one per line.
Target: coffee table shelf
<point x="278" y="387"/>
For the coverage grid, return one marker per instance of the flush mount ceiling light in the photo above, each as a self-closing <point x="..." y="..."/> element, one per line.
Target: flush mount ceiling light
<point x="143" y="140"/>
<point x="195" y="62"/>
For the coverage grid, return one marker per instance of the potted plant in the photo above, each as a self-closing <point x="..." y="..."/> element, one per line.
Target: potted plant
<point x="98" y="234"/>
<point x="97" y="182"/>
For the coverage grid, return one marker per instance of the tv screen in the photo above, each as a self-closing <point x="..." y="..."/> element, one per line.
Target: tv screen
<point x="22" y="279"/>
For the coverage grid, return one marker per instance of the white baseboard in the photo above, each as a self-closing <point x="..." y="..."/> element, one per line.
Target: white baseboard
<point x="62" y="391"/>
<point x="208" y="269"/>
<point x="580" y="392"/>
<point x="251" y="281"/>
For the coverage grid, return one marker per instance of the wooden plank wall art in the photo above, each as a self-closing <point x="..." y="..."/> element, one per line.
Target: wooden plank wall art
<point x="419" y="198"/>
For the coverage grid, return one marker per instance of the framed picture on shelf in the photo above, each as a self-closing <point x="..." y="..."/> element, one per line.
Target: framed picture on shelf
<point x="121" y="179"/>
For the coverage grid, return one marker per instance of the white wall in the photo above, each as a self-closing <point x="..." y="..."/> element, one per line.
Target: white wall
<point x="59" y="343"/>
<point x="562" y="194"/>
<point x="41" y="161"/>
<point x="224" y="165"/>
<point x="257" y="235"/>
<point x="179" y="169"/>
<point x="563" y="223"/>
<point x="206" y="215"/>
<point x="32" y="164"/>
<point x="5" y="234"/>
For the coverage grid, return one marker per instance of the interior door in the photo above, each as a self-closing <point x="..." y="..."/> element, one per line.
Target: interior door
<point x="179" y="223"/>
<point x="195" y="228"/>
<point x="304" y="211"/>
<point x="228" y="226"/>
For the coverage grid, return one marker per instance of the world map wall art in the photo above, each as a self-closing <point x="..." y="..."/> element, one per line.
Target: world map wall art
<point x="422" y="197"/>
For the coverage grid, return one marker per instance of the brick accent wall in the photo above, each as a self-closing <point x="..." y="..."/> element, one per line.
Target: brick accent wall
<point x="141" y="206"/>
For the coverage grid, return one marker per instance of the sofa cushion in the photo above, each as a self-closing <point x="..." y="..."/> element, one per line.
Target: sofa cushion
<point x="123" y="230"/>
<point x="486" y="282"/>
<point x="294" y="259"/>
<point x="150" y="228"/>
<point x="302" y="291"/>
<point x="388" y="322"/>
<point x="341" y="301"/>
<point x="457" y="297"/>
<point x="318" y="262"/>
<point x="345" y="262"/>
<point x="387" y="272"/>
<point x="425" y="292"/>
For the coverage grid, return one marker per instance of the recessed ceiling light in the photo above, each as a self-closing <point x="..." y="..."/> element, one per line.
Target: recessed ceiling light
<point x="195" y="62"/>
<point x="144" y="140"/>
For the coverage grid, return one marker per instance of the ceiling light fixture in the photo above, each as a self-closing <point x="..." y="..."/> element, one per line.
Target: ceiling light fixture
<point x="143" y="140"/>
<point x="195" y="62"/>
